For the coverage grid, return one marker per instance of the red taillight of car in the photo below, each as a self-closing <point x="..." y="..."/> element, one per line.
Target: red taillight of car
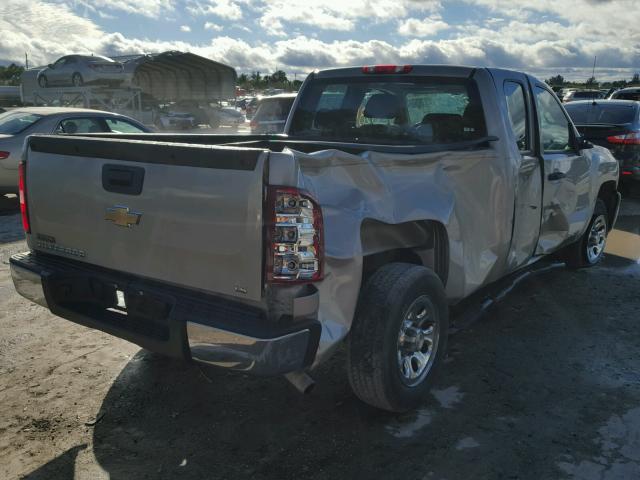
<point x="22" y="189"/>
<point x="628" y="139"/>
<point x="387" y="69"/>
<point x="4" y="155"/>
<point x="294" y="236"/>
<point x="626" y="173"/>
<point x="253" y="123"/>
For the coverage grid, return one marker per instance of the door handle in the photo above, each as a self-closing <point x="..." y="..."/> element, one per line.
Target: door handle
<point x="556" y="176"/>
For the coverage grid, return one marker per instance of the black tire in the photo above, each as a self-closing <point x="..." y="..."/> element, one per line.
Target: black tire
<point x="576" y="255"/>
<point x="42" y="81"/>
<point x="76" y="80"/>
<point x="373" y="356"/>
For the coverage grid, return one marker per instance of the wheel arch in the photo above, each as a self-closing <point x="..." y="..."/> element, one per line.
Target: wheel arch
<point x="608" y="193"/>
<point x="421" y="242"/>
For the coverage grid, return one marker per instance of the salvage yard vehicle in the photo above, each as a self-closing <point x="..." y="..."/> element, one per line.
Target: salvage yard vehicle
<point x="614" y="124"/>
<point x="19" y="123"/>
<point x="79" y="70"/>
<point x="397" y="192"/>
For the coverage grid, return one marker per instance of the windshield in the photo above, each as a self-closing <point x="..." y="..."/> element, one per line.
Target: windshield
<point x="390" y="110"/>
<point x="12" y="123"/>
<point x="593" y="113"/>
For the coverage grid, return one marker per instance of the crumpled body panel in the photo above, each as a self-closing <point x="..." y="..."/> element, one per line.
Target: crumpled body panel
<point x="468" y="192"/>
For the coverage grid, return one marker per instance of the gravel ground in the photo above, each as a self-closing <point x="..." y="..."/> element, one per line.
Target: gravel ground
<point x="546" y="385"/>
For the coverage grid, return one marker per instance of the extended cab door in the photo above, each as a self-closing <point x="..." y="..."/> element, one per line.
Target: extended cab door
<point x="567" y="183"/>
<point x="514" y="98"/>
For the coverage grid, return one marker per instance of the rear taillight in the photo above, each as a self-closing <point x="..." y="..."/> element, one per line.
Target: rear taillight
<point x="626" y="173"/>
<point x="22" y="189"/>
<point x="4" y="155"/>
<point x="387" y="69"/>
<point x="295" y="248"/>
<point x="632" y="138"/>
<point x="253" y="123"/>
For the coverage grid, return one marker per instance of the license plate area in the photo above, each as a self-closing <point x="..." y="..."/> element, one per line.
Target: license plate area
<point x="118" y="304"/>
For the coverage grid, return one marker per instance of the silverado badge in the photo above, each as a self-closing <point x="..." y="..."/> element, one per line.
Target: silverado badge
<point x="122" y="216"/>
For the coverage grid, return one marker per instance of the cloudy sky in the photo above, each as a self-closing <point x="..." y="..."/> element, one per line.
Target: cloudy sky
<point x="544" y="37"/>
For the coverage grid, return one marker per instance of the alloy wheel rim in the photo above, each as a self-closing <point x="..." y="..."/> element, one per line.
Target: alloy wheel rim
<point x="597" y="239"/>
<point x="417" y="341"/>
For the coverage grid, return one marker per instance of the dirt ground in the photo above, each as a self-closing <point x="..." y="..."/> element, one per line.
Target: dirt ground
<point x="545" y="386"/>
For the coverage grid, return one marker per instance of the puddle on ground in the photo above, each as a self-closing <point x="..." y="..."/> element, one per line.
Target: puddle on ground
<point x="407" y="425"/>
<point x="448" y="397"/>
<point x="467" y="442"/>
<point x="619" y="441"/>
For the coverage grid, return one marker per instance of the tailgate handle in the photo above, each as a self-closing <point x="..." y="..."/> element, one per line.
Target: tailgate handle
<point x="122" y="179"/>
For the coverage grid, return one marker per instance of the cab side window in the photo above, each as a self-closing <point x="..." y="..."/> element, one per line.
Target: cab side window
<point x="517" y="107"/>
<point x="554" y="126"/>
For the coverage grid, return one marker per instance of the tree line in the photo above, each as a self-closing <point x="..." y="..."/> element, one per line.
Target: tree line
<point x="559" y="81"/>
<point x="278" y="79"/>
<point x="10" y="75"/>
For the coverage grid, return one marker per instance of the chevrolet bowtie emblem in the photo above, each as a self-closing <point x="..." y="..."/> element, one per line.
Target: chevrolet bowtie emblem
<point x="122" y="216"/>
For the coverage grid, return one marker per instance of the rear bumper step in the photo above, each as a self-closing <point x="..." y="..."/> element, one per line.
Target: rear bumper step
<point x="165" y="319"/>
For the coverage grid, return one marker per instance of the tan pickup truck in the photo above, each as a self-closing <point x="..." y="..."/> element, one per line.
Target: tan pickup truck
<point x="396" y="192"/>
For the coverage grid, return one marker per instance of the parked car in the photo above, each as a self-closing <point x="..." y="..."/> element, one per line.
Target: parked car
<point x="229" y="116"/>
<point x="170" y="120"/>
<point x="582" y="95"/>
<point x="17" y="124"/>
<point x="272" y="113"/>
<point x="79" y="70"/>
<point x="397" y="192"/>
<point x="630" y="93"/>
<point x="614" y="124"/>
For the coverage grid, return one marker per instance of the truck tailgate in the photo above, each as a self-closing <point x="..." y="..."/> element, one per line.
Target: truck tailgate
<point x="190" y="215"/>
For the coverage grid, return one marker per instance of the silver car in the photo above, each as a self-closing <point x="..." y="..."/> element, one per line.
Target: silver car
<point x="17" y="124"/>
<point x="78" y="70"/>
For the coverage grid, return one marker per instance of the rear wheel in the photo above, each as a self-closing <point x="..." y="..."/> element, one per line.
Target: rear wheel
<point x="398" y="338"/>
<point x="42" y="81"/>
<point x="76" y="80"/>
<point x="589" y="250"/>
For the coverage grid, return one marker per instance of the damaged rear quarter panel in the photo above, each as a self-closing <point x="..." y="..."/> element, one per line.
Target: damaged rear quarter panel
<point x="469" y="192"/>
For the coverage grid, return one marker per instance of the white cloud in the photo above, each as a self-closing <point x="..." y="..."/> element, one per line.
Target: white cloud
<point x="227" y="9"/>
<point x="338" y="15"/>
<point x="426" y="27"/>
<point x="212" y="26"/>
<point x="557" y="45"/>
<point x="147" y="8"/>
<point x="185" y="28"/>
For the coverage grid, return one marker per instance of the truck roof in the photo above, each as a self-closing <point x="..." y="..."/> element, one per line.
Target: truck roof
<point x="425" y="69"/>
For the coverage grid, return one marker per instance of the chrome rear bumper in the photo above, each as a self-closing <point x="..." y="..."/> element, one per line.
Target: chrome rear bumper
<point x="188" y="334"/>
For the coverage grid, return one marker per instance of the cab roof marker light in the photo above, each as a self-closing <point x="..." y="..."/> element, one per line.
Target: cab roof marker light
<point x="387" y="69"/>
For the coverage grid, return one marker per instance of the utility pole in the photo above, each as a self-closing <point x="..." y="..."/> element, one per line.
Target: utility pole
<point x="26" y="61"/>
<point x="593" y="72"/>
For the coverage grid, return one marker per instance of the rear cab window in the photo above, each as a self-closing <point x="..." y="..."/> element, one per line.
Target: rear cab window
<point x="393" y="110"/>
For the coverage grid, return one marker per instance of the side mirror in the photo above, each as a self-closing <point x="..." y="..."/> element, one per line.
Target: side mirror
<point x="578" y="142"/>
<point x="584" y="144"/>
<point x="50" y="65"/>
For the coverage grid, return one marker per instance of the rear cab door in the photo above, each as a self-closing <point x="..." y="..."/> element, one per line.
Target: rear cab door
<point x="514" y="100"/>
<point x="566" y="200"/>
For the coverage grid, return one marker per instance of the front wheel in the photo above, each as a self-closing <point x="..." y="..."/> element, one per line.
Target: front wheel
<point x="589" y="250"/>
<point x="398" y="338"/>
